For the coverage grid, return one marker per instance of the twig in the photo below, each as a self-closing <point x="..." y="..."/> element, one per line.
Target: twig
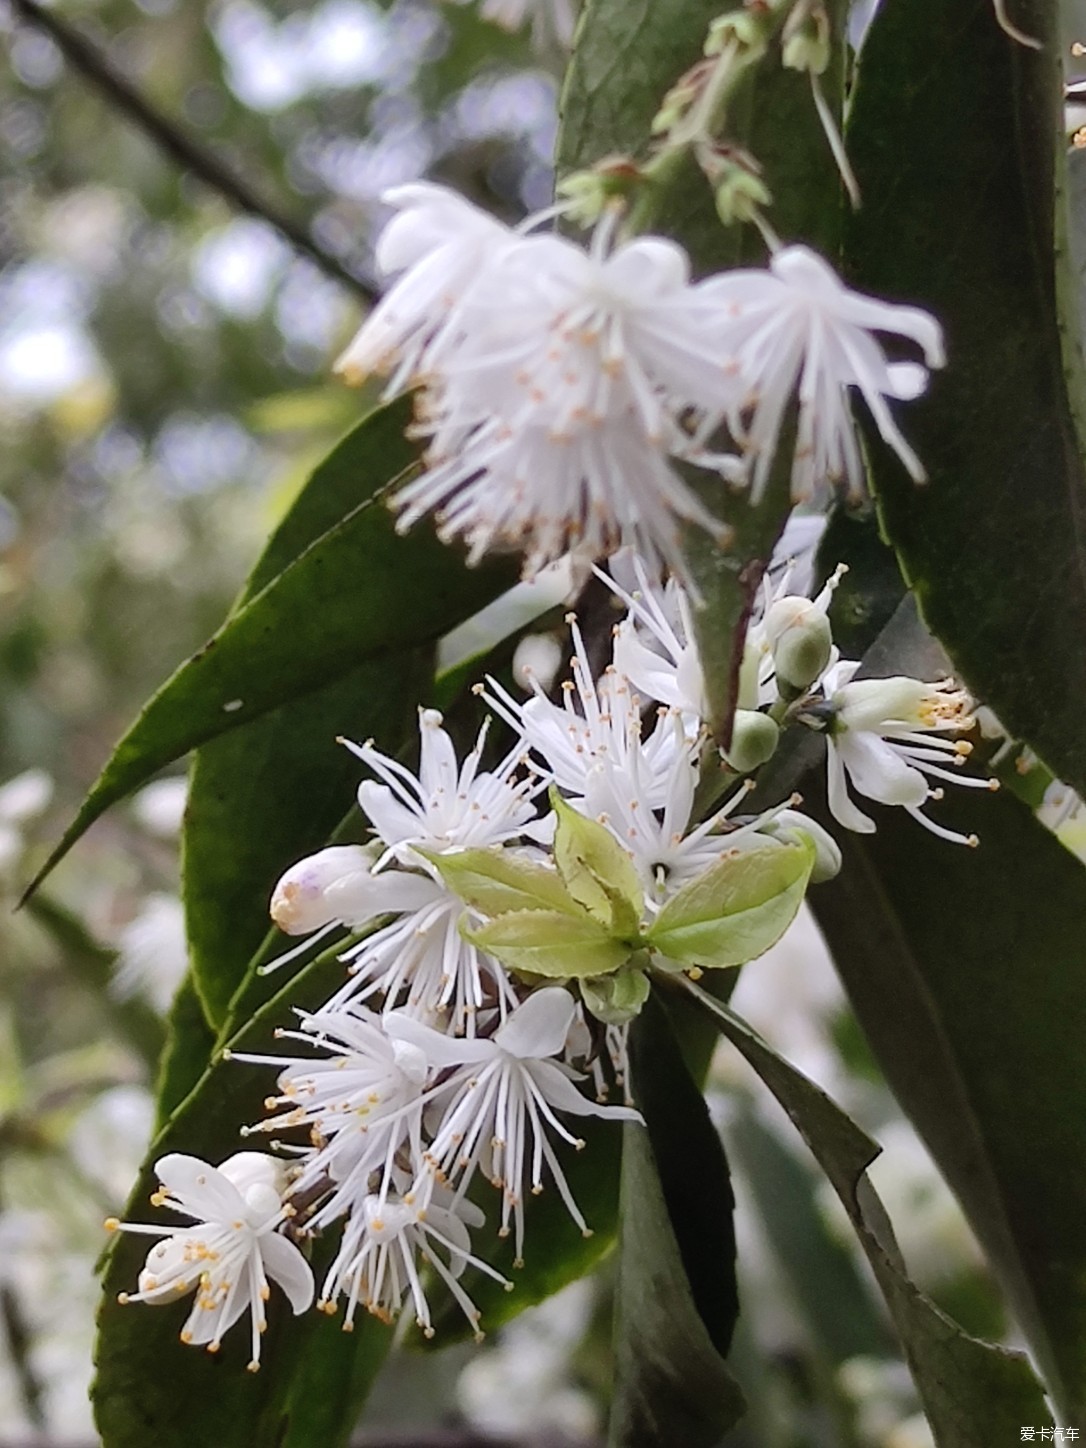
<point x="177" y="144"/>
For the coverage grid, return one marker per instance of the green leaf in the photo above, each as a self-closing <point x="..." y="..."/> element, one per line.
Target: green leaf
<point x="187" y="1053"/>
<point x="967" y="970"/>
<point x="957" y="135"/>
<point x="497" y="882"/>
<point x="628" y="55"/>
<point x="150" y="1387"/>
<point x="597" y="871"/>
<point x="132" y="1018"/>
<point x="973" y="1392"/>
<point x="550" y="943"/>
<point x="358" y="593"/>
<point x="822" y="1279"/>
<point x="676" y="1298"/>
<point x="737" y="909"/>
<point x="271" y="792"/>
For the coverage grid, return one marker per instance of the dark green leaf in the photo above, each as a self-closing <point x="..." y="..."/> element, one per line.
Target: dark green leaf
<point x="149" y="1386"/>
<point x="676" y="1297"/>
<point x="957" y="135"/>
<point x="973" y="1392"/>
<point x="967" y="970"/>
<point x="833" y="1301"/>
<point x="358" y="593"/>
<point x="187" y="1054"/>
<point x="271" y="792"/>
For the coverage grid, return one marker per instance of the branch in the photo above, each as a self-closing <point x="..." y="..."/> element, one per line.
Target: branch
<point x="178" y="145"/>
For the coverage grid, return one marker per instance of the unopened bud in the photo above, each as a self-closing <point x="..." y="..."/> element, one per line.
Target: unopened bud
<point x="754" y="740"/>
<point x="742" y="31"/>
<point x="740" y="194"/>
<point x="616" y="999"/>
<point x="789" y="823"/>
<point x="801" y="641"/>
<point x="589" y="193"/>
<point x="299" y="903"/>
<point x="806" y="43"/>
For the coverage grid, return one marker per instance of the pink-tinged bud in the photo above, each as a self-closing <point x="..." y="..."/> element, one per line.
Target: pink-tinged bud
<point x="299" y="903"/>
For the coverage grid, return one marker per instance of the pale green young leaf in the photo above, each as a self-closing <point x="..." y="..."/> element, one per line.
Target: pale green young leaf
<point x="551" y="943"/>
<point x="597" y="870"/>
<point x="497" y="882"/>
<point x="737" y="909"/>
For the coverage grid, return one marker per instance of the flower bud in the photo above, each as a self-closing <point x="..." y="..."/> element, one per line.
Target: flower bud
<point x="801" y="641"/>
<point x="806" y="42"/>
<point x="872" y="704"/>
<point x="754" y="740"/>
<point x="299" y="903"/>
<point x="616" y="999"/>
<point x="743" y="31"/>
<point x="789" y="823"/>
<point x="739" y="195"/>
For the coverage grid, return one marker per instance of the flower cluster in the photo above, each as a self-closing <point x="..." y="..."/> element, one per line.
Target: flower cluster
<point x="500" y="931"/>
<point x="571" y="396"/>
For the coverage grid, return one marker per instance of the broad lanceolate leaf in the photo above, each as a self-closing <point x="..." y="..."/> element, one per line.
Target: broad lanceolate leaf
<point x="628" y="55"/>
<point x="957" y="136"/>
<point x="265" y="795"/>
<point x="676" y="1299"/>
<point x="973" y="1392"/>
<point x="967" y="970"/>
<point x="551" y="943"/>
<point x="358" y="592"/>
<point x="737" y="909"/>
<point x="597" y="871"/>
<point x="272" y="790"/>
<point x="150" y="1388"/>
<point x="497" y="882"/>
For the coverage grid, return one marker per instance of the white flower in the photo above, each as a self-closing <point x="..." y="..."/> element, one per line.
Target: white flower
<point x="887" y="738"/>
<point x="556" y="414"/>
<point x="377" y="1264"/>
<point x="362" y="1100"/>
<point x="228" y="1256"/>
<point x="419" y="959"/>
<point x="550" y="18"/>
<point x="596" y="720"/>
<point x="153" y="954"/>
<point x="654" y="645"/>
<point x="445" y="806"/>
<point x="22" y="798"/>
<point x="796" y="328"/>
<point x="503" y="1093"/>
<point x="439" y="242"/>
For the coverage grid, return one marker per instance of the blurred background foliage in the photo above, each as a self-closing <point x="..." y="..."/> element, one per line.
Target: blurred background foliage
<point x="163" y="389"/>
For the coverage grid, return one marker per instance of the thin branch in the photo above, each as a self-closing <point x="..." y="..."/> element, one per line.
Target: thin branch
<point x="178" y="144"/>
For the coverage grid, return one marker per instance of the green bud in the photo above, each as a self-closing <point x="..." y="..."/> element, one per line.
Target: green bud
<point x="613" y="179"/>
<point x="743" y="31"/>
<point x="740" y="194"/>
<point x="801" y="641"/>
<point x="754" y="740"/>
<point x="806" y="41"/>
<point x="616" y="999"/>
